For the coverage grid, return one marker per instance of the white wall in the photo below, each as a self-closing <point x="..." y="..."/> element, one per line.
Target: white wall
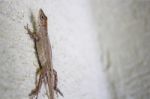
<point x="76" y="53"/>
<point x="83" y="34"/>
<point x="124" y="31"/>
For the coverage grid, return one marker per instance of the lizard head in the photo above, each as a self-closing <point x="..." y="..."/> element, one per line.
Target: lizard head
<point x="42" y="18"/>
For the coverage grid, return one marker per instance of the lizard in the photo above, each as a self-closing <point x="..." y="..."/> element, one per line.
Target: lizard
<point x="43" y="50"/>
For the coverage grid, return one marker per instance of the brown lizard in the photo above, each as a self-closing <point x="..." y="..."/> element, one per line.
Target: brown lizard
<point x="47" y="74"/>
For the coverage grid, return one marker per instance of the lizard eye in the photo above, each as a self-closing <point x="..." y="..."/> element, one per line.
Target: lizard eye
<point x="42" y="17"/>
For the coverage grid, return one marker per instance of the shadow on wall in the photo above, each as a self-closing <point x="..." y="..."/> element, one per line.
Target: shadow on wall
<point x="123" y="28"/>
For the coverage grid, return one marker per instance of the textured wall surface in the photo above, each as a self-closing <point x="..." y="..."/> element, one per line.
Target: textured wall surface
<point x="124" y="31"/>
<point x="76" y="53"/>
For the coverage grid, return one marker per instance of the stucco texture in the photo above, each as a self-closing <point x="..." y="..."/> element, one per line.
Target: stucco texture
<point x="76" y="54"/>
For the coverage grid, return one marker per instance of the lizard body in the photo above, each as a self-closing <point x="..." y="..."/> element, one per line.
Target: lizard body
<point x="44" y="55"/>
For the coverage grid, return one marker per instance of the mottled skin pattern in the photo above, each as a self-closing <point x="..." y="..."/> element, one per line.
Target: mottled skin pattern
<point x="44" y="55"/>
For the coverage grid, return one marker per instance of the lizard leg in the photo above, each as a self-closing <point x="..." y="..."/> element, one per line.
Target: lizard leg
<point x="38" y="72"/>
<point x="55" y="84"/>
<point x="35" y="91"/>
<point x="32" y="34"/>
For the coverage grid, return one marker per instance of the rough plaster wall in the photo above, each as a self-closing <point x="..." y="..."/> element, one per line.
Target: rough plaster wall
<point x="76" y="54"/>
<point x="124" y="31"/>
